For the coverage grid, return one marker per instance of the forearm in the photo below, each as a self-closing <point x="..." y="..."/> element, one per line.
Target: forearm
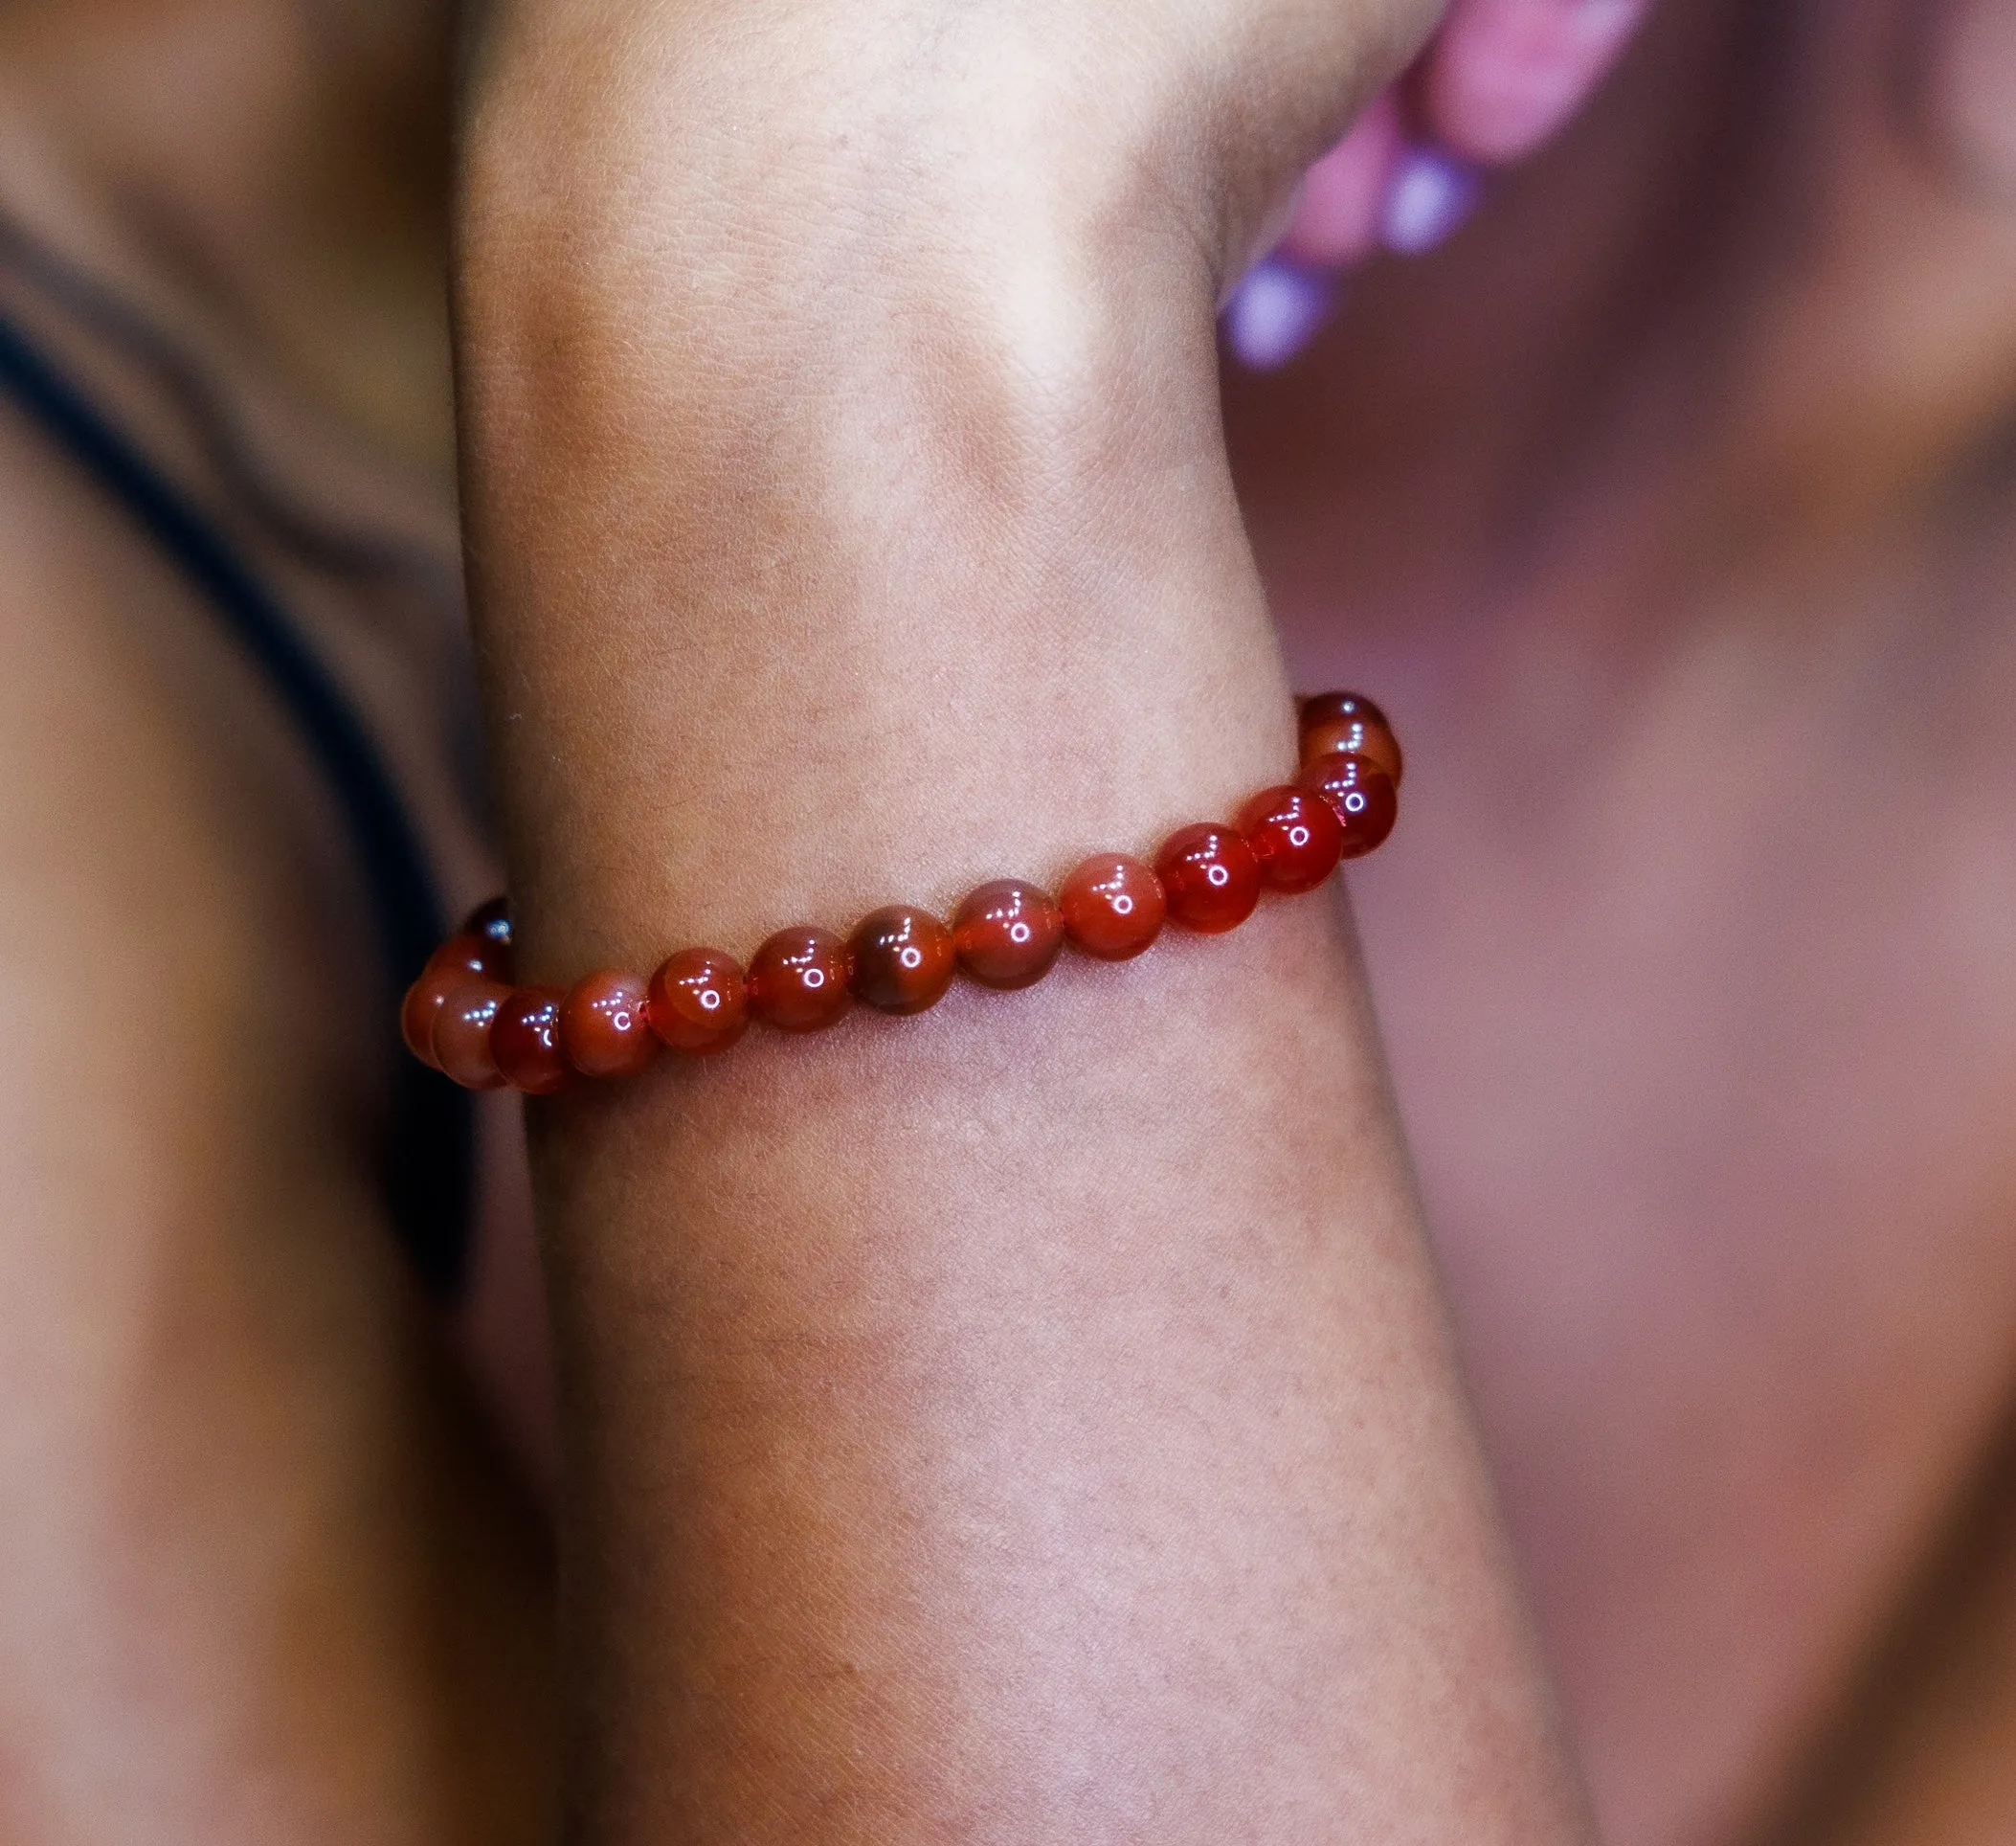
<point x="1031" y="1420"/>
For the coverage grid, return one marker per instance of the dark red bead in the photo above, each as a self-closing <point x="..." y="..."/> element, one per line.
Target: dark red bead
<point x="900" y="960"/>
<point x="1294" y="836"/>
<point x="1008" y="934"/>
<point x="1210" y="878"/>
<point x="1320" y="707"/>
<point x="699" y="1004"/>
<point x="524" y="1040"/>
<point x="1335" y="722"/>
<point x="461" y="1033"/>
<point x="1361" y="795"/>
<point x="604" y="1026"/>
<point x="470" y="953"/>
<point x="492" y="921"/>
<point x="1112" y="907"/>
<point x="798" y="979"/>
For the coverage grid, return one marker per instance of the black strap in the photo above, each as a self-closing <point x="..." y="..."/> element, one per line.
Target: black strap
<point x="430" y="1158"/>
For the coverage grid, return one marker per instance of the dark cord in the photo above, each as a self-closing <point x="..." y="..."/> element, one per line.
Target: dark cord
<point x="430" y="1153"/>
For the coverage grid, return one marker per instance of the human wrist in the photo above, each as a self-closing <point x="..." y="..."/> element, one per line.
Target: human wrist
<point x="854" y="510"/>
<point x="1082" y="123"/>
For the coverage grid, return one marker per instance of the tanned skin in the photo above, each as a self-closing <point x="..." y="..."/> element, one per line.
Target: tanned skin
<point x="1039" y="1420"/>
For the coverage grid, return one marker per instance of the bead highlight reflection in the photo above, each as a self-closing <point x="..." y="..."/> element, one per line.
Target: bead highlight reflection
<point x="798" y="979"/>
<point x="463" y="1017"/>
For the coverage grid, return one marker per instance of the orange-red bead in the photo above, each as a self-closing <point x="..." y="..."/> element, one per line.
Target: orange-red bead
<point x="1008" y="934"/>
<point x="1335" y="723"/>
<point x="470" y="953"/>
<point x="524" y="1040"/>
<point x="798" y="979"/>
<point x="461" y="1033"/>
<point x="1294" y="836"/>
<point x="1361" y="795"/>
<point x="604" y="1026"/>
<point x="900" y="960"/>
<point x="1209" y="877"/>
<point x="1112" y="907"/>
<point x="422" y="1006"/>
<point x="699" y="1004"/>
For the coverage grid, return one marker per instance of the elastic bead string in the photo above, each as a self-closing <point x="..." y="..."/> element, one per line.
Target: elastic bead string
<point x="464" y="1015"/>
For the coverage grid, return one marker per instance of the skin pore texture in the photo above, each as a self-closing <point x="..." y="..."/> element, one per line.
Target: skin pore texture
<point x="1034" y="1421"/>
<point x="955" y="1406"/>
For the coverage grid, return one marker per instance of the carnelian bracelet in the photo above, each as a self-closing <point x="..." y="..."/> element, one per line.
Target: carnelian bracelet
<point x="463" y="1017"/>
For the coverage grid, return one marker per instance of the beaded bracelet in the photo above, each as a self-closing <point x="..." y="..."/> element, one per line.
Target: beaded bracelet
<point x="465" y="1018"/>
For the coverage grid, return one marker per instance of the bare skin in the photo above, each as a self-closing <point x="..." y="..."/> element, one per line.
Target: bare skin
<point x="1705" y="1589"/>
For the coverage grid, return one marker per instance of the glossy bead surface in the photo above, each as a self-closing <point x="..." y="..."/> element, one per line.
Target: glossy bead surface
<point x="900" y="960"/>
<point x="467" y="953"/>
<point x="492" y="921"/>
<point x="1294" y="835"/>
<point x="1361" y="795"/>
<point x="699" y="1004"/>
<point x="798" y="979"/>
<point x="604" y="1026"/>
<point x="461" y="1033"/>
<point x="1340" y="722"/>
<point x="1322" y="707"/>
<point x="1008" y="934"/>
<point x="524" y="1040"/>
<point x="1210" y="878"/>
<point x="1112" y="907"/>
<point x="422" y="1006"/>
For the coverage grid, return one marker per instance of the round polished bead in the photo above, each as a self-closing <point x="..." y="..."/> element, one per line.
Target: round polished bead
<point x="491" y="921"/>
<point x="422" y="1006"/>
<point x="461" y="1033"/>
<point x="1112" y="907"/>
<point x="1361" y="795"/>
<point x="467" y="953"/>
<point x="524" y="1040"/>
<point x="699" y="1004"/>
<point x="798" y="979"/>
<point x="900" y="960"/>
<point x="1008" y="934"/>
<point x="1321" y="708"/>
<point x="604" y="1026"/>
<point x="1294" y="836"/>
<point x="1210" y="878"/>
<point x="1348" y="722"/>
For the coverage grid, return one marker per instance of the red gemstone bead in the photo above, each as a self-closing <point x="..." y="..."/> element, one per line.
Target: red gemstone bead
<point x="461" y="1033"/>
<point x="1112" y="907"/>
<point x="798" y="979"/>
<point x="524" y="1040"/>
<point x="1321" y="708"/>
<point x="698" y="1001"/>
<point x="1295" y="837"/>
<point x="492" y="921"/>
<point x="1361" y="795"/>
<point x="422" y="1006"/>
<point x="900" y="960"/>
<point x="604" y="1026"/>
<point x="470" y="953"/>
<point x="1210" y="876"/>
<point x="1008" y="934"/>
<point x="1335" y="722"/>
